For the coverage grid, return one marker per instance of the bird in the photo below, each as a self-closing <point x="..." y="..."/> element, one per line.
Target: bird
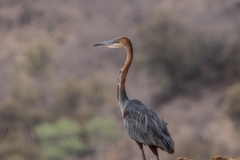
<point x="141" y="123"/>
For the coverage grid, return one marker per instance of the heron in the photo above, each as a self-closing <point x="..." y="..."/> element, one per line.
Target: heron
<point x="141" y="123"/>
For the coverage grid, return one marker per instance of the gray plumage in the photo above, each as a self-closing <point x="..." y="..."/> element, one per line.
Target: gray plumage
<point x="144" y="125"/>
<point x="147" y="127"/>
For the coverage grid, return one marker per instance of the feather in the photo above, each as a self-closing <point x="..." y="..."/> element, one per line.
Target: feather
<point x="146" y="126"/>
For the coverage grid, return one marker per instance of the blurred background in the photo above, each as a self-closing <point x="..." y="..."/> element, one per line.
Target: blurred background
<point x="58" y="94"/>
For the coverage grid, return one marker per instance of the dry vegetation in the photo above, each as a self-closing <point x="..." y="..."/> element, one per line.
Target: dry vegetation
<point x="57" y="98"/>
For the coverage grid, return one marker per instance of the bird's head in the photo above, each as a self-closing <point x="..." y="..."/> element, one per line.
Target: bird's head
<point x="115" y="43"/>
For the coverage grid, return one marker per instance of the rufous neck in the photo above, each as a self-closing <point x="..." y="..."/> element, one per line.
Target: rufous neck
<point x="125" y="68"/>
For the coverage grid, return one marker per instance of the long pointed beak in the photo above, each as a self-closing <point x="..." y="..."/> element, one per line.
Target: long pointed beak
<point x="106" y="43"/>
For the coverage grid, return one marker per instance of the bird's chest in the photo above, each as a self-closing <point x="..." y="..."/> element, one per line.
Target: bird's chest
<point x="126" y="113"/>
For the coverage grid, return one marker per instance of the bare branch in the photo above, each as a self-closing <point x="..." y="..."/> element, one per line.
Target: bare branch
<point x="5" y="133"/>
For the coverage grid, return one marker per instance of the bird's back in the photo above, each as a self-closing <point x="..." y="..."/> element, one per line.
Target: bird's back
<point x="145" y="126"/>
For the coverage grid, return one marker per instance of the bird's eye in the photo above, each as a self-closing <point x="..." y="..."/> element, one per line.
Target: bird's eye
<point x="115" y="41"/>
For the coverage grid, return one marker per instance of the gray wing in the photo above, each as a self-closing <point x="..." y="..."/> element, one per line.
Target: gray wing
<point x="145" y="126"/>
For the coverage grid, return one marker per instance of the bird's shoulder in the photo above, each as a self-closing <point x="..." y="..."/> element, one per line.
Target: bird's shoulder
<point x="136" y="104"/>
<point x="137" y="110"/>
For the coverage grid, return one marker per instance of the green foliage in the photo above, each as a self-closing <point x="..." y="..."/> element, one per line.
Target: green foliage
<point x="103" y="129"/>
<point x="60" y="139"/>
<point x="45" y="131"/>
<point x="67" y="127"/>
<point x="53" y="153"/>
<point x="37" y="100"/>
<point x="63" y="127"/>
<point x="233" y="104"/>
<point x="72" y="145"/>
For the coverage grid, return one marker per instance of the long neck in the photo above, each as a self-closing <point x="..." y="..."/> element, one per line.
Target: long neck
<point x="121" y="93"/>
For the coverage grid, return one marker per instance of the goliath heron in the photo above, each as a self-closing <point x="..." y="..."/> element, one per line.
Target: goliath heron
<point x="142" y="124"/>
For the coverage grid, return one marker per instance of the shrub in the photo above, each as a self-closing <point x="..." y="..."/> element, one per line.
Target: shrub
<point x="103" y="130"/>
<point x="60" y="139"/>
<point x="80" y="100"/>
<point x="68" y="98"/>
<point x="54" y="153"/>
<point x="28" y="14"/>
<point x="179" y="53"/>
<point x="38" y="59"/>
<point x="172" y="47"/>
